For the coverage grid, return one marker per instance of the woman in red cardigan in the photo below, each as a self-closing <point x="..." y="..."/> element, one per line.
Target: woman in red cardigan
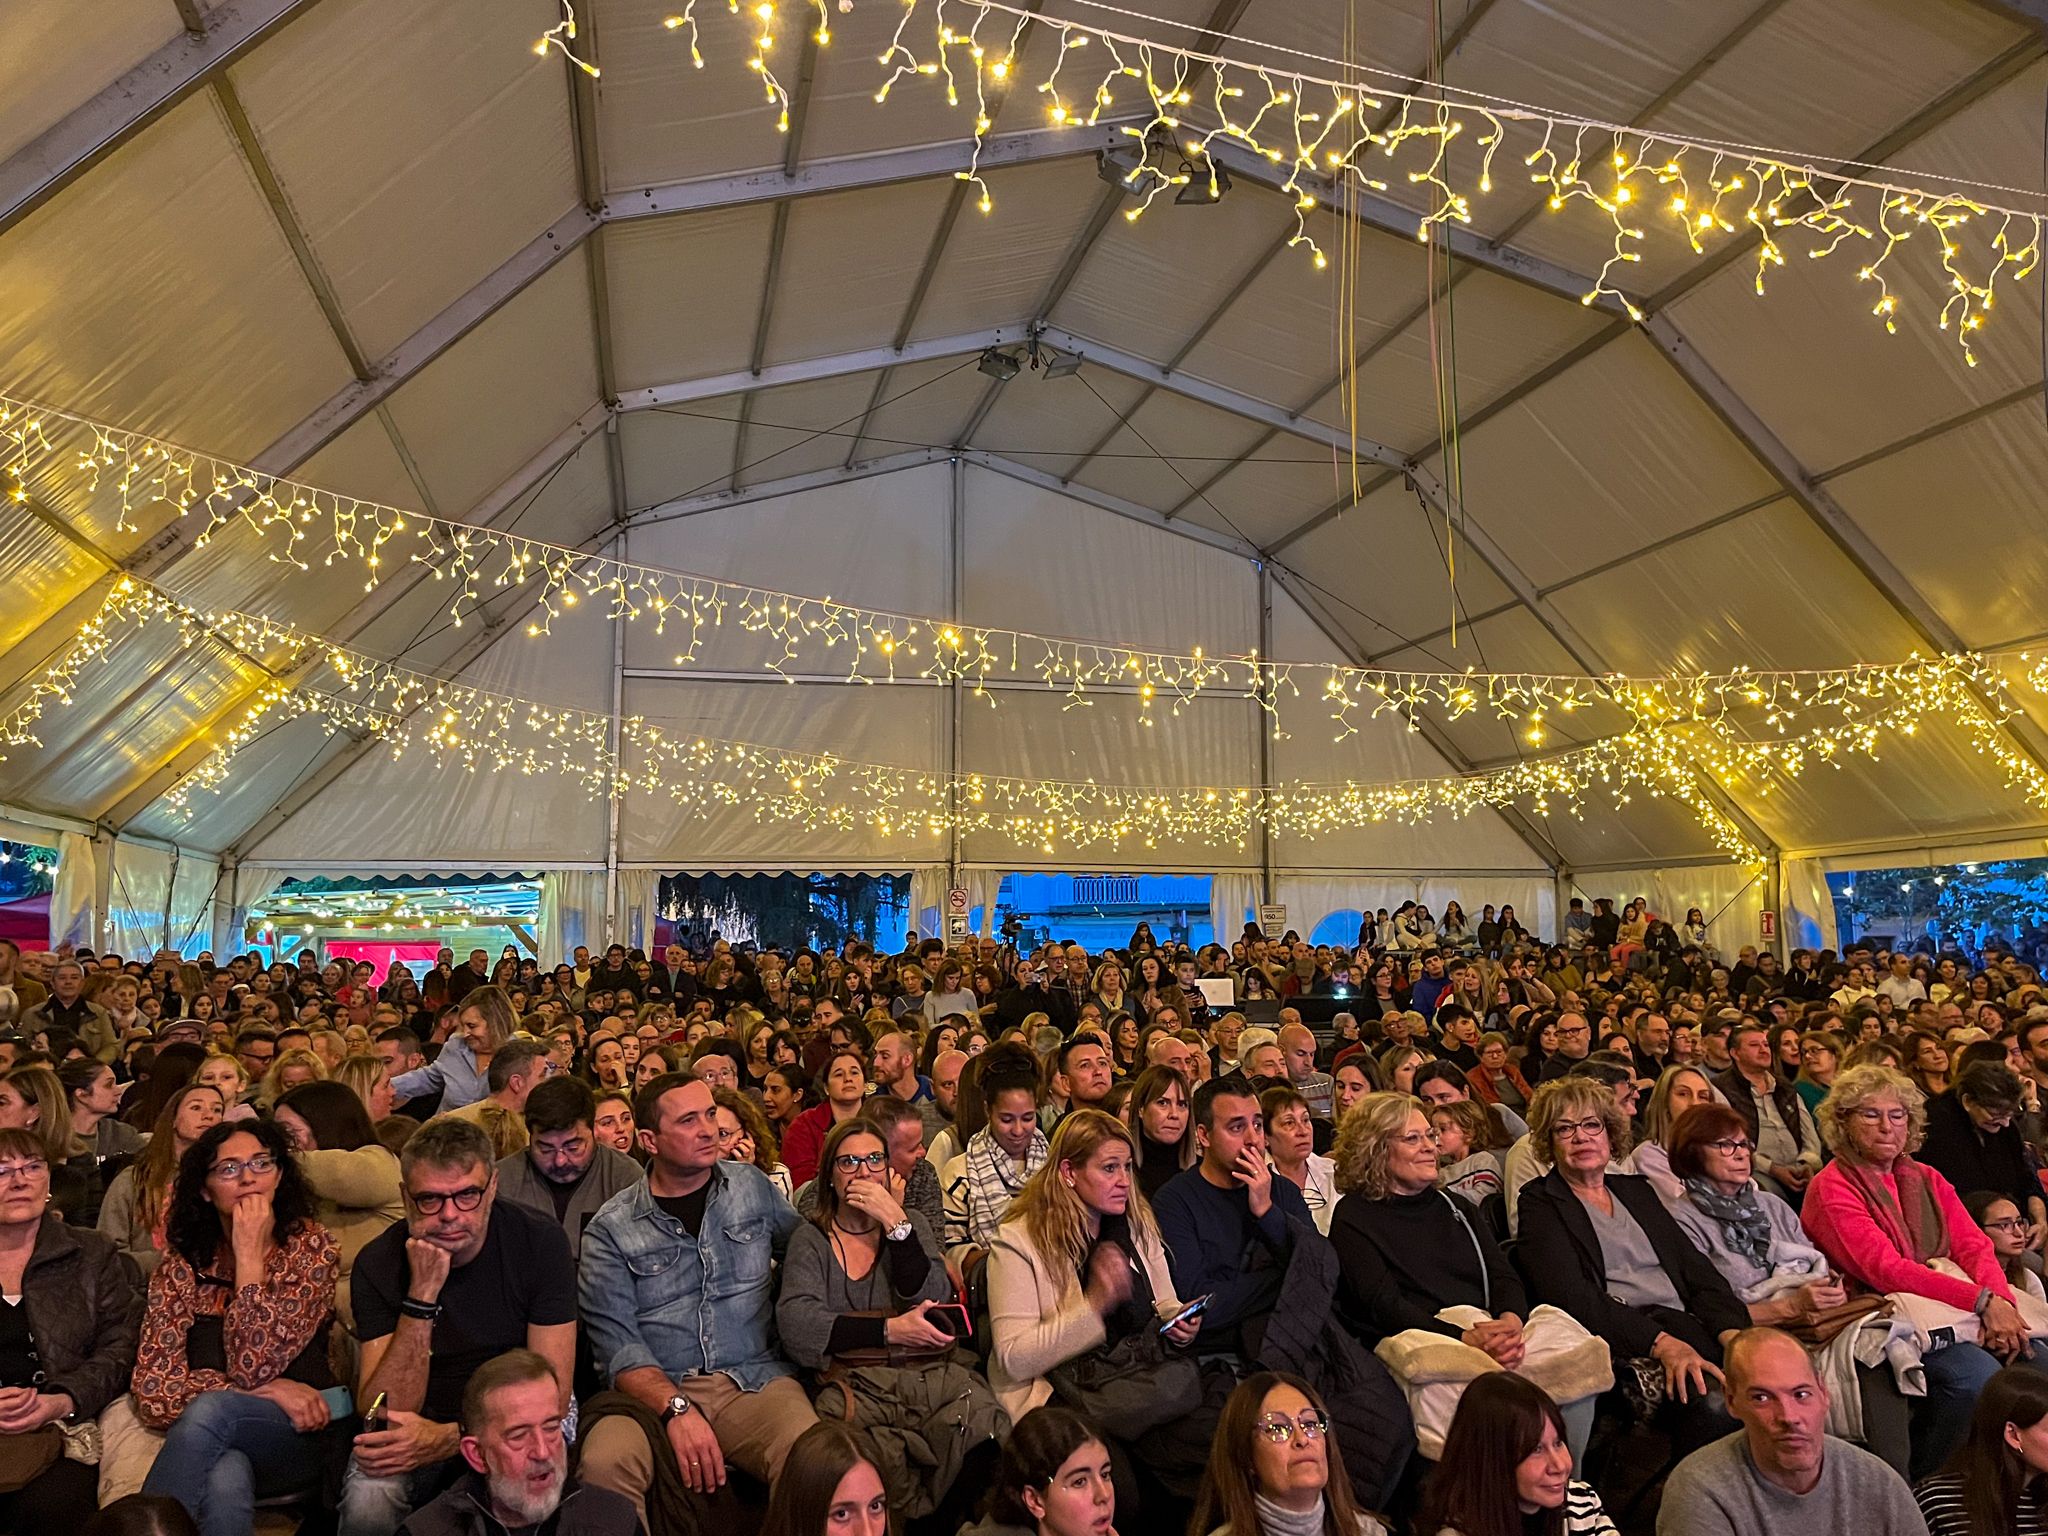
<point x="846" y="1088"/>
<point x="1497" y="1080"/>
<point x="1890" y="1224"/>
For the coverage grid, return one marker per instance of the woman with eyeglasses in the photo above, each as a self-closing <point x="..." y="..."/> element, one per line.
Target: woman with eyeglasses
<point x="1056" y="1478"/>
<point x="69" y="1311"/>
<point x="1290" y="1148"/>
<point x="233" y="1363"/>
<point x="1883" y="1218"/>
<point x="1271" y="1469"/>
<point x="1602" y="1247"/>
<point x="744" y="1136"/>
<point x="1974" y="1140"/>
<point x="2010" y="1235"/>
<point x="1755" y="1240"/>
<point x="1411" y="1256"/>
<point x="865" y="1293"/>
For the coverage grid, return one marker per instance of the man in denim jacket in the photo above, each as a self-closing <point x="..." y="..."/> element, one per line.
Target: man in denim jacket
<point x="675" y="1282"/>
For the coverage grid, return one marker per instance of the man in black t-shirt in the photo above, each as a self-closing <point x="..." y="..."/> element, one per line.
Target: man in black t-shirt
<point x="464" y="1280"/>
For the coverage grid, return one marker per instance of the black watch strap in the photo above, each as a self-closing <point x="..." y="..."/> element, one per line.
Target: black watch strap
<point x="425" y="1311"/>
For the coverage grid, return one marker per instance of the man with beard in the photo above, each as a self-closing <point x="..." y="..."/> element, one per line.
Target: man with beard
<point x="518" y="1476"/>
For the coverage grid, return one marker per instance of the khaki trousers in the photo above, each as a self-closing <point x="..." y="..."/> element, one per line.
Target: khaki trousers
<point x="755" y="1431"/>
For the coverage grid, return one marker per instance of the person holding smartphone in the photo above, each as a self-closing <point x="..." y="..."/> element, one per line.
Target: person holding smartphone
<point x="865" y="1292"/>
<point x="233" y="1364"/>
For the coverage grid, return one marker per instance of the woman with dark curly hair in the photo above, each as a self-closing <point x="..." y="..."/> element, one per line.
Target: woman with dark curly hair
<point x="233" y="1359"/>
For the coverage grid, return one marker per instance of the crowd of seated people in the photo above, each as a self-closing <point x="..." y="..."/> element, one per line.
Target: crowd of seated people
<point x="1502" y="1235"/>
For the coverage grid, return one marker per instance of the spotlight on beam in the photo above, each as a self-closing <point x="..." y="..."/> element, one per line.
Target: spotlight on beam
<point x="999" y="365"/>
<point x="1119" y="166"/>
<point x="1062" y="365"/>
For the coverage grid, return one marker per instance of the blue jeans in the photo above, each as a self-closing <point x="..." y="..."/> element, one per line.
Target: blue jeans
<point x="1941" y="1419"/>
<point x="377" y="1506"/>
<point x="227" y="1450"/>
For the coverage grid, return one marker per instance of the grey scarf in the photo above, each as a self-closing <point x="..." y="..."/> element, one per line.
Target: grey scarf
<point x="1278" y="1520"/>
<point x="993" y="1182"/>
<point x="1745" y="1226"/>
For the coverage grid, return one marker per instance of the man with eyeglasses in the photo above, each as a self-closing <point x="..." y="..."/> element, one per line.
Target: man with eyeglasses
<point x="463" y="1280"/>
<point x="677" y="1285"/>
<point x="1574" y="1045"/>
<point x="1787" y="1141"/>
<point x="565" y="1175"/>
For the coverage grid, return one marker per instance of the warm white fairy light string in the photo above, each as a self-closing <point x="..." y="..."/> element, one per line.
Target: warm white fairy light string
<point x="482" y="731"/>
<point x="307" y="527"/>
<point x="1314" y="125"/>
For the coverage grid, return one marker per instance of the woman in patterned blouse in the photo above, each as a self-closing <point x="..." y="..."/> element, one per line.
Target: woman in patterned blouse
<point x="233" y="1359"/>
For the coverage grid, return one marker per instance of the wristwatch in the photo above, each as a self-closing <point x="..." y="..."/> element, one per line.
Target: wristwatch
<point x="677" y="1407"/>
<point x="900" y="1231"/>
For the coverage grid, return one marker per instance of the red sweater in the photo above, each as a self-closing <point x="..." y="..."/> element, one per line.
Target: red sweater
<point x="1842" y="1227"/>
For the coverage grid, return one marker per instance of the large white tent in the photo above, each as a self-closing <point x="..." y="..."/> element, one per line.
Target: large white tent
<point x="381" y="247"/>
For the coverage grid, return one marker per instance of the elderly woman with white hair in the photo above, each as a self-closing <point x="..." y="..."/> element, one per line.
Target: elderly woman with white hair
<point x="1890" y="1224"/>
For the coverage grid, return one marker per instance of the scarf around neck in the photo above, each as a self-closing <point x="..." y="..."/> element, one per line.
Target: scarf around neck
<point x="993" y="1182"/>
<point x="1745" y="1226"/>
<point x="1911" y="1219"/>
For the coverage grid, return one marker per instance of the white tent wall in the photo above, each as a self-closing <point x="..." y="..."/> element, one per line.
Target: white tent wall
<point x="140" y="898"/>
<point x="571" y="913"/>
<point x="1730" y="898"/>
<point x="74" y="891"/>
<point x="195" y="886"/>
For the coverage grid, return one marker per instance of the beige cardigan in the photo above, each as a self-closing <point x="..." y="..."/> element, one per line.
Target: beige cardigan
<point x="356" y="1195"/>
<point x="1032" y="1329"/>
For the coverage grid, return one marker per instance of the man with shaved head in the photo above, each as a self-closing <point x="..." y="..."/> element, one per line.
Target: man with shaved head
<point x="1782" y="1472"/>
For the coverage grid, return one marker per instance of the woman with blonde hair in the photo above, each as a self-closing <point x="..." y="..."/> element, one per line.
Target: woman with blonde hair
<point x="366" y="1077"/>
<point x="1108" y="986"/>
<point x="1678" y="1089"/>
<point x="1891" y="1225"/>
<point x="286" y="1073"/>
<point x="32" y="1099"/>
<point x="1082" y="1305"/>
<point x="330" y="1046"/>
<point x="1416" y="1262"/>
<point x="1077" y="1263"/>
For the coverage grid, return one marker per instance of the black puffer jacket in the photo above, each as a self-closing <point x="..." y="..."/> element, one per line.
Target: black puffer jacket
<point x="84" y="1299"/>
<point x="465" y="1510"/>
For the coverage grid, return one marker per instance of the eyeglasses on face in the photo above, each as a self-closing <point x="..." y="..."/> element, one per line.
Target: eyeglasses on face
<point x="1874" y="1115"/>
<point x="1417" y="1138"/>
<point x="1280" y="1429"/>
<point x="1578" y="1130"/>
<point x="464" y="1200"/>
<point x="1733" y="1146"/>
<point x="23" y="1173"/>
<point x="2003" y="1224"/>
<point x="853" y="1162"/>
<point x="261" y="1163"/>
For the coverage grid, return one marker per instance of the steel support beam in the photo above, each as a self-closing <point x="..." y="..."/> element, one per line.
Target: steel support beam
<point x="845" y="173"/>
<point x="789" y="485"/>
<point x="1105" y="210"/>
<point x="773" y="375"/>
<point x="374" y="606"/>
<point x="1825" y="513"/>
<point x="1428" y="728"/>
<point x="50" y="162"/>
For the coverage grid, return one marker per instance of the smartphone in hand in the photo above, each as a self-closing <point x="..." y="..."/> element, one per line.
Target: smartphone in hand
<point x="951" y="1317"/>
<point x="1194" y="1308"/>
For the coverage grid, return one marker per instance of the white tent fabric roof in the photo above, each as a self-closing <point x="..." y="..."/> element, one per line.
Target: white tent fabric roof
<point x="383" y="247"/>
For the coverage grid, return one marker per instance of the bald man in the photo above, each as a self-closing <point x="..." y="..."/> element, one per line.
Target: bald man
<point x="1298" y="1045"/>
<point x="1783" y="1472"/>
<point x="946" y="1143"/>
